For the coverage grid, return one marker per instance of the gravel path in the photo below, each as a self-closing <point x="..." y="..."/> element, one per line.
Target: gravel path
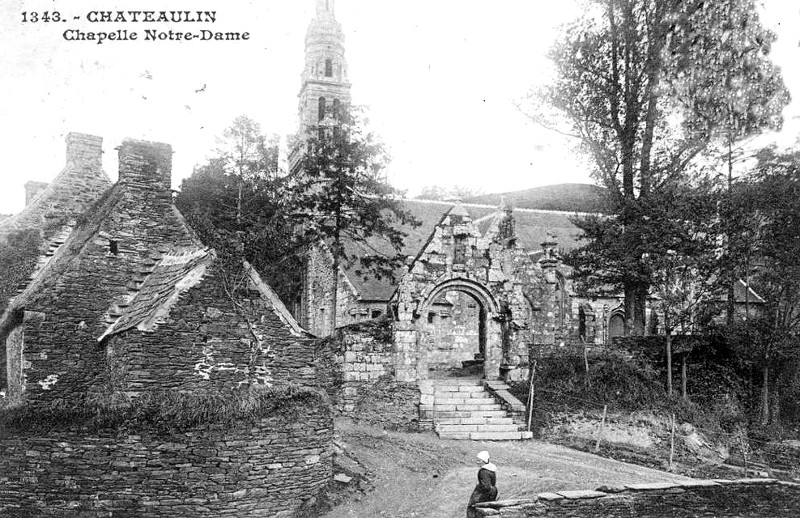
<point x="419" y="475"/>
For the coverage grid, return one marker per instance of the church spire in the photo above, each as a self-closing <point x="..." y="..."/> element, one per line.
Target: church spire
<point x="325" y="7"/>
<point x="325" y="88"/>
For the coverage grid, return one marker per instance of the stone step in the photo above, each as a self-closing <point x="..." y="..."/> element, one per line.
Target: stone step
<point x="467" y="407"/>
<point x="455" y="414"/>
<point x="475" y="420"/>
<point x="458" y="381"/>
<point x="445" y="428"/>
<point x="487" y="436"/>
<point x="465" y="401"/>
<point x="462" y="395"/>
<point x="457" y="388"/>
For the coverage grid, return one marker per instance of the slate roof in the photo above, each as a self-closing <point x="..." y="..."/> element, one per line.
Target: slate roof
<point x="173" y="274"/>
<point x="532" y="228"/>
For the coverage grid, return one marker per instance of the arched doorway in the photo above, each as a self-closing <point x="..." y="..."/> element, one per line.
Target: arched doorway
<point x="616" y="325"/>
<point x="458" y="330"/>
<point x="453" y="333"/>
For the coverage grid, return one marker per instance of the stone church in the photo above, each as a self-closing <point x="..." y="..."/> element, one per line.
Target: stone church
<point x="481" y="284"/>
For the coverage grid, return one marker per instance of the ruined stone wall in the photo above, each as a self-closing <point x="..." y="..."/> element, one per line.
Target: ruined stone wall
<point x="70" y="298"/>
<point x="266" y="468"/>
<point x="720" y="498"/>
<point x="207" y="340"/>
<point x="358" y="374"/>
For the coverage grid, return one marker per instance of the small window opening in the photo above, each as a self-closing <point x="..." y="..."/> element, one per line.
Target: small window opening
<point x="328" y="68"/>
<point x="376" y="313"/>
<point x="431" y="316"/>
<point x="321" y="108"/>
<point x="113" y="246"/>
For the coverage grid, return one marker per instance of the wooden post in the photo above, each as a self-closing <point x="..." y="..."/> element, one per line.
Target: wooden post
<point x="672" y="444"/>
<point x="600" y="433"/>
<point x="586" y="364"/>
<point x="744" y="453"/>
<point x="531" y="393"/>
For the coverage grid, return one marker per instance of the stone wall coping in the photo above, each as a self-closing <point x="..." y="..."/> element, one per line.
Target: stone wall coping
<point x="501" y="390"/>
<point x="614" y="491"/>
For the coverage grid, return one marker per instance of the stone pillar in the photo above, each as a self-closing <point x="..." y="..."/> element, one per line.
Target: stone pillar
<point x="405" y="354"/>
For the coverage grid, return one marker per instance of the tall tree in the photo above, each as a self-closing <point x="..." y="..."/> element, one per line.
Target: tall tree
<point x="772" y="195"/>
<point x="343" y="201"/>
<point x="630" y="98"/>
<point x="725" y="78"/>
<point x="237" y="204"/>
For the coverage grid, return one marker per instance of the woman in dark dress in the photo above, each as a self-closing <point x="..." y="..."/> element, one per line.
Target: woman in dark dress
<point x="486" y="490"/>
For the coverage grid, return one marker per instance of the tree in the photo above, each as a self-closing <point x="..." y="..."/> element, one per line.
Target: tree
<point x="236" y="203"/>
<point x="342" y="201"/>
<point x="630" y="98"/>
<point x="744" y="97"/>
<point x="773" y="192"/>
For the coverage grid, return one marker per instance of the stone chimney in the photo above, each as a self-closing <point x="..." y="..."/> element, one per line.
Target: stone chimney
<point x="32" y="189"/>
<point x="146" y="165"/>
<point x="85" y="149"/>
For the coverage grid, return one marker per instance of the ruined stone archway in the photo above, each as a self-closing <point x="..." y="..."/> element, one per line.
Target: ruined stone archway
<point x="485" y="355"/>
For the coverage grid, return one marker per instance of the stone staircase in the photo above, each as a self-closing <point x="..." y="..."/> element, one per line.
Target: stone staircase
<point x="462" y="409"/>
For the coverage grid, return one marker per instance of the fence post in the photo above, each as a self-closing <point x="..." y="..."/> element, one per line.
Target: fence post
<point x="672" y="444"/>
<point x="602" y="425"/>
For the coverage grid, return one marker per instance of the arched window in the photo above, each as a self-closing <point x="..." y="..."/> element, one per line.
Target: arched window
<point x="337" y="105"/>
<point x="328" y="68"/>
<point x="321" y="109"/>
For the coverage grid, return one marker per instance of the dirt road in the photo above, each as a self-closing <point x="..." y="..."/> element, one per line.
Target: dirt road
<point x="419" y="475"/>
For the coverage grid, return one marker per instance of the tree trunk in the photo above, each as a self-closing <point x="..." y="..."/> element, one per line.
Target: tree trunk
<point x="335" y="294"/>
<point x="765" y="396"/>
<point x="669" y="360"/>
<point x="684" y="374"/>
<point x="639" y="310"/>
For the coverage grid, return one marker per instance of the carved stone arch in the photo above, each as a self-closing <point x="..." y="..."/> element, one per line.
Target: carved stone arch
<point x="616" y="322"/>
<point x="469" y="286"/>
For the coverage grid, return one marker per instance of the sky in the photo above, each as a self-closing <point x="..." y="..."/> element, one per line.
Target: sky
<point x="441" y="79"/>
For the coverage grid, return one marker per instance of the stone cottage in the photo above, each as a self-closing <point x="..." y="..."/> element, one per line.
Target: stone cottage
<point x="128" y="299"/>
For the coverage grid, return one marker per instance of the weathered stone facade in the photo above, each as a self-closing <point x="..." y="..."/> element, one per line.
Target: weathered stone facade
<point x="65" y="307"/>
<point x="266" y="468"/>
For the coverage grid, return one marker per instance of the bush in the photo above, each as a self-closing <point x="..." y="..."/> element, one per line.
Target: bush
<point x="164" y="411"/>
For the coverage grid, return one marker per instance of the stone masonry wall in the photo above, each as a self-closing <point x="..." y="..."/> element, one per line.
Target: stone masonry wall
<point x="267" y="468"/>
<point x="360" y="378"/>
<point x="719" y="498"/>
<point x="72" y="295"/>
<point x="205" y="341"/>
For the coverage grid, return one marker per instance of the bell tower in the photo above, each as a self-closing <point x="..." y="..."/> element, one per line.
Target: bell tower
<point x="324" y="80"/>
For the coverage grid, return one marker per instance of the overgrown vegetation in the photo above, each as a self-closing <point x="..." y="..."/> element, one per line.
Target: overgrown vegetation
<point x="164" y="411"/>
<point x="624" y="384"/>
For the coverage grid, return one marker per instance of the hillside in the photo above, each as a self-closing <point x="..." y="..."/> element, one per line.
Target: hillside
<point x="569" y="197"/>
